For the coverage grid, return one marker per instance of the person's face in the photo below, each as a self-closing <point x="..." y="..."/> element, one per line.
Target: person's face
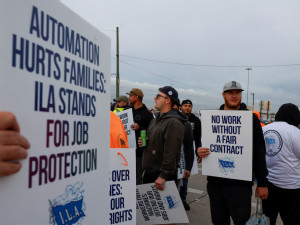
<point x="160" y="100"/>
<point x="232" y="99"/>
<point x="121" y="104"/>
<point x="186" y="109"/>
<point x="132" y="99"/>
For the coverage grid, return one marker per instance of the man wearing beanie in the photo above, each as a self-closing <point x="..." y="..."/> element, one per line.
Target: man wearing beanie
<point x="230" y="197"/>
<point x="186" y="108"/>
<point x="165" y="135"/>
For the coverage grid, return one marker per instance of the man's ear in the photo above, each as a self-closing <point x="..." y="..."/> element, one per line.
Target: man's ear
<point x="168" y="100"/>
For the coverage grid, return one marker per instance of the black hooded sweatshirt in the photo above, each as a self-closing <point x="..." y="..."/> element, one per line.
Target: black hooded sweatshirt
<point x="259" y="160"/>
<point x="288" y="113"/>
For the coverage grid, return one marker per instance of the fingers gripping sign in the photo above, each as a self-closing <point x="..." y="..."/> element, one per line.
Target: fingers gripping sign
<point x="186" y="174"/>
<point x="202" y="153"/>
<point x="12" y="144"/>
<point x="135" y="126"/>
<point x="159" y="183"/>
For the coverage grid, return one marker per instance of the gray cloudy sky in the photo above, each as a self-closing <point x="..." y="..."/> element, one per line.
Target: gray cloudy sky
<point x="233" y="34"/>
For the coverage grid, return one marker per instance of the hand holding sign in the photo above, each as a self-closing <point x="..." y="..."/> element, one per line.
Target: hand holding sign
<point x="202" y="152"/>
<point x="159" y="183"/>
<point x="12" y="144"/>
<point x="186" y="174"/>
<point x="135" y="126"/>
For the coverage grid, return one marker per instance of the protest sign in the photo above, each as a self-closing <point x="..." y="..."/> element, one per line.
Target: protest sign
<point x="199" y="114"/>
<point x="228" y="135"/>
<point x="180" y="170"/>
<point x="55" y="77"/>
<point x="127" y="119"/>
<point x="122" y="204"/>
<point x="159" y="207"/>
<point x="195" y="169"/>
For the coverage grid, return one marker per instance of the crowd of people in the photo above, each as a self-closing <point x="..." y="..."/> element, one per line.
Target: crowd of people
<point x="173" y="127"/>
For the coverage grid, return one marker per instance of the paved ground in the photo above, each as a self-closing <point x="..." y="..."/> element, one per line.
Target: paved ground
<point x="199" y="202"/>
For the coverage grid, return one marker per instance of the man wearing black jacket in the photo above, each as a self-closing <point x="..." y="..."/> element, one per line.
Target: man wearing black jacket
<point x="188" y="148"/>
<point x="142" y="118"/>
<point x="186" y="108"/>
<point x="229" y="197"/>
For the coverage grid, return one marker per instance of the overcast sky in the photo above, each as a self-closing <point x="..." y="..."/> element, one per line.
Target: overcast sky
<point x="218" y="39"/>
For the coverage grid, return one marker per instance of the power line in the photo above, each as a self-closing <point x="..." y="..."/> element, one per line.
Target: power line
<point x="208" y="65"/>
<point x="159" y="75"/>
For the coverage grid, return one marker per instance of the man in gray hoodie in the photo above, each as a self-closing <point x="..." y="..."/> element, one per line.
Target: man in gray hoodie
<point x="165" y="136"/>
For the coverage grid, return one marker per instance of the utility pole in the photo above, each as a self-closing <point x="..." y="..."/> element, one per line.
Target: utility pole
<point x="260" y="108"/>
<point x="117" y="72"/>
<point x="248" y="83"/>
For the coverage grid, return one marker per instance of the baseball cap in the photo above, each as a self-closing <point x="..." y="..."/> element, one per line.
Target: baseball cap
<point x="186" y="101"/>
<point x="136" y="91"/>
<point x="232" y="85"/>
<point x="122" y="98"/>
<point x="171" y="93"/>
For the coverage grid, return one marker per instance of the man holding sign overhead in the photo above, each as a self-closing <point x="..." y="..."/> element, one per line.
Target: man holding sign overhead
<point x="232" y="197"/>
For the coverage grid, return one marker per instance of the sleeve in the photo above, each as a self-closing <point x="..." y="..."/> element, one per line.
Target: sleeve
<point x="296" y="143"/>
<point x="146" y="121"/>
<point x="259" y="154"/>
<point x="188" y="148"/>
<point x="172" y="147"/>
<point x="143" y="123"/>
<point x="197" y="133"/>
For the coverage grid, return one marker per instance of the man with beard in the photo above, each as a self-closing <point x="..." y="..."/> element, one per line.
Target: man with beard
<point x="229" y="197"/>
<point x="141" y="117"/>
<point x="186" y="108"/>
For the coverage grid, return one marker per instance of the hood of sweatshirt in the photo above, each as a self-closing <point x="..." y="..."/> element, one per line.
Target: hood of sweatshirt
<point x="288" y="113"/>
<point x="173" y="113"/>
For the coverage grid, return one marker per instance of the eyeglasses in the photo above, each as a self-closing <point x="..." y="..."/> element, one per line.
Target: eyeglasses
<point x="158" y="96"/>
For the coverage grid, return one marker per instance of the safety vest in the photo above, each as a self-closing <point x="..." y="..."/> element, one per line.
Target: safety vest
<point x="118" y="110"/>
<point x="118" y="135"/>
<point x="258" y="116"/>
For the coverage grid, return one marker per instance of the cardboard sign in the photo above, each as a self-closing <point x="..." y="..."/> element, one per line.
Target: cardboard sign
<point x="180" y="170"/>
<point x="228" y="135"/>
<point x="55" y="77"/>
<point x="122" y="206"/>
<point x="159" y="207"/>
<point x="127" y="119"/>
<point x="199" y="114"/>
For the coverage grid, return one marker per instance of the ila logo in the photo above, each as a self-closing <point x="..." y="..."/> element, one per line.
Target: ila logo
<point x="69" y="207"/>
<point x="226" y="165"/>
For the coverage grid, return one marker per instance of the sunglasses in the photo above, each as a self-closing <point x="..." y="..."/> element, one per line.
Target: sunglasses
<point x="158" y="96"/>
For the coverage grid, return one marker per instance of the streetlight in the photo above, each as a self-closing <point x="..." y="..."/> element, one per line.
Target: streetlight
<point x="248" y="83"/>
